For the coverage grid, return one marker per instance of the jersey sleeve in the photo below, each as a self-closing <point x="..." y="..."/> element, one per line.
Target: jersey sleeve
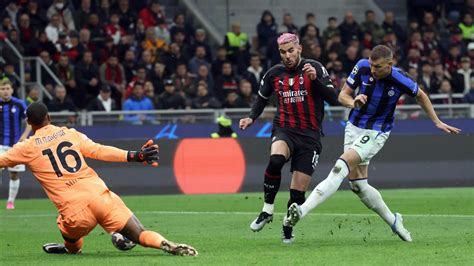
<point x="266" y="89"/>
<point x="407" y="85"/>
<point x="354" y="80"/>
<point x="20" y="153"/>
<point x="326" y="88"/>
<point x="264" y="93"/>
<point x="97" y="151"/>
<point x="412" y="89"/>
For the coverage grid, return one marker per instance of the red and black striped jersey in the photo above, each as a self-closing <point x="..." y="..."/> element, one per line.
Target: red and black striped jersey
<point x="299" y="100"/>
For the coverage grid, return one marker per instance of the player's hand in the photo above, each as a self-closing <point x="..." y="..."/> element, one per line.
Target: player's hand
<point x="360" y="100"/>
<point x="448" y="129"/>
<point x="151" y="150"/>
<point x="245" y="123"/>
<point x="309" y="70"/>
<point x="148" y="154"/>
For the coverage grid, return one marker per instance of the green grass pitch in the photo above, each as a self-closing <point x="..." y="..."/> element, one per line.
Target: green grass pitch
<point x="341" y="232"/>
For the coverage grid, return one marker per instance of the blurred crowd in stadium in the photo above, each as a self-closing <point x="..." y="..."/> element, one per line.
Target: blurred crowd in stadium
<point x="131" y="55"/>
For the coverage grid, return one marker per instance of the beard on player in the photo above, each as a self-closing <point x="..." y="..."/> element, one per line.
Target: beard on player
<point x="290" y="54"/>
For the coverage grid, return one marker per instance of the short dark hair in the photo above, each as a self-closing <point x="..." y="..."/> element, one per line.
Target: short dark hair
<point x="36" y="113"/>
<point x="332" y="18"/>
<point x="309" y="14"/>
<point x="381" y="51"/>
<point x="369" y="12"/>
<point x="254" y="55"/>
<point x="425" y="63"/>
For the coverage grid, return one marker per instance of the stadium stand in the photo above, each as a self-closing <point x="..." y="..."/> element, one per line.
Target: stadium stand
<point x="84" y="45"/>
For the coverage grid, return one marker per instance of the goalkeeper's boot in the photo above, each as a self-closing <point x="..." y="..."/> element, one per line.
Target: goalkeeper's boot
<point x="262" y="219"/>
<point x="178" y="249"/>
<point x="294" y="213"/>
<point x="399" y="229"/>
<point x="53" y="248"/>
<point x="287" y="231"/>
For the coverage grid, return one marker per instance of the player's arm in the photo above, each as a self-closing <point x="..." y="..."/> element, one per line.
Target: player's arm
<point x="264" y="93"/>
<point x="257" y="107"/>
<point x="325" y="86"/>
<point x="18" y="154"/>
<point x="346" y="96"/>
<point x="425" y="103"/>
<point x="90" y="149"/>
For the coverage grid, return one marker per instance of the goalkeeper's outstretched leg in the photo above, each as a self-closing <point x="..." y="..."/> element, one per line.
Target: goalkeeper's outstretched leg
<point x="135" y="231"/>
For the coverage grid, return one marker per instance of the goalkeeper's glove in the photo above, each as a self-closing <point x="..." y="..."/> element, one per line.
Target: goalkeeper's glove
<point x="147" y="155"/>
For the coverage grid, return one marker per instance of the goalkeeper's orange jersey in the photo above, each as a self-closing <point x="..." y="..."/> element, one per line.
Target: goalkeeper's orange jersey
<point x="55" y="155"/>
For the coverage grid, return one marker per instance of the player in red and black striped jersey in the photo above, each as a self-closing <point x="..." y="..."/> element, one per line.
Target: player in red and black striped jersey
<point x="301" y="87"/>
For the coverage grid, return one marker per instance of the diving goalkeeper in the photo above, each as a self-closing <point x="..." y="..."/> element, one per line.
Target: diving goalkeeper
<point x="55" y="155"/>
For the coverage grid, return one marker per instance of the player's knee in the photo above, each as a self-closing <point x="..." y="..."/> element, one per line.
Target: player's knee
<point x="276" y="162"/>
<point x="297" y="196"/>
<point x="341" y="168"/>
<point x="132" y="229"/>
<point x="14" y="176"/>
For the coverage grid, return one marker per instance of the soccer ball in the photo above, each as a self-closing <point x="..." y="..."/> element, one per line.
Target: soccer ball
<point x="121" y="242"/>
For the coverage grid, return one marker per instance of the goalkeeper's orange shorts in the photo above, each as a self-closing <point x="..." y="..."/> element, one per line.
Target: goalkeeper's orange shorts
<point x="108" y="210"/>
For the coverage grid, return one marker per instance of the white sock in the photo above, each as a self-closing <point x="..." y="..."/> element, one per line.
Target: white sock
<point x="268" y="208"/>
<point x="14" y="186"/>
<point x="326" y="188"/>
<point x="372" y="199"/>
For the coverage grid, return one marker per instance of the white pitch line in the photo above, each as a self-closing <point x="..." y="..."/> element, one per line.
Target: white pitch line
<point x="252" y="213"/>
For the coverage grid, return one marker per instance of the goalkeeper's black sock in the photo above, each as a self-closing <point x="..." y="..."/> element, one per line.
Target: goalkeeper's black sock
<point x="74" y="247"/>
<point x="272" y="180"/>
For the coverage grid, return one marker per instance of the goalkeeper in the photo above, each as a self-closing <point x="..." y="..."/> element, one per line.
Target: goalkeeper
<point x="55" y="155"/>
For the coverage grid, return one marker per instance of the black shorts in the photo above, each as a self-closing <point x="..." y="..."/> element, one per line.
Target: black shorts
<point x="304" y="149"/>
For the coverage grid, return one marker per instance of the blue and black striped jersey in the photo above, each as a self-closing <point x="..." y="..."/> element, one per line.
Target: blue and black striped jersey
<point x="382" y="96"/>
<point x="12" y="114"/>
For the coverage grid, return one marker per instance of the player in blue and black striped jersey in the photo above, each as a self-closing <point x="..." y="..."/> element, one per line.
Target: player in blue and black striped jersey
<point x="12" y="114"/>
<point x="378" y="86"/>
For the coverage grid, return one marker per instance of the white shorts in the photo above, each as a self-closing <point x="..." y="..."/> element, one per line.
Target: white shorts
<point x="16" y="168"/>
<point x="366" y="142"/>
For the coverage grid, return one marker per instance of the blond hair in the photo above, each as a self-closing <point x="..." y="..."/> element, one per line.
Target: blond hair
<point x="5" y="81"/>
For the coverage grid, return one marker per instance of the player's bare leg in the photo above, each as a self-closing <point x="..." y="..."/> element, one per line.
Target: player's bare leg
<point x="299" y="184"/>
<point x="135" y="231"/>
<point x="13" y="190"/>
<point x="279" y="154"/>
<point x="373" y="200"/>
